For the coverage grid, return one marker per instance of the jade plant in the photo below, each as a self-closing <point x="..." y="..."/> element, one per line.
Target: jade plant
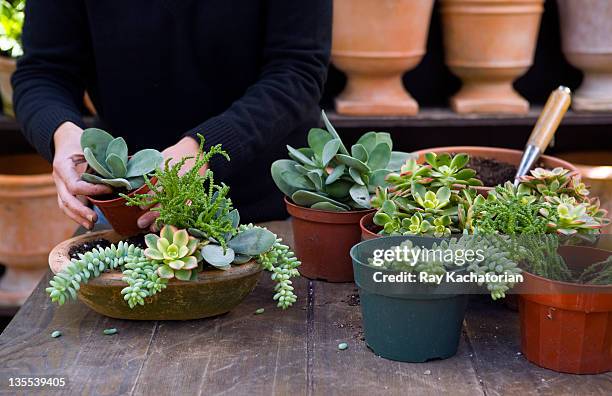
<point x="108" y="158"/>
<point x="326" y="176"/>
<point x="427" y="199"/>
<point x="200" y="231"/>
<point x="11" y="24"/>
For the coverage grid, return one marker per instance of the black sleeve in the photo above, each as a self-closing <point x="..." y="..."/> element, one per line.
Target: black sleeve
<point x="48" y="83"/>
<point x="295" y="59"/>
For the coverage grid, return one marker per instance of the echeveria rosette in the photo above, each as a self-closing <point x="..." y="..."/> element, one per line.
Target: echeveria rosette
<point x="174" y="249"/>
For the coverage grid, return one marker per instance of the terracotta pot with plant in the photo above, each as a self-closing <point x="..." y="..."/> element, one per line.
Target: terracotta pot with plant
<point x="110" y="164"/>
<point x="375" y="42"/>
<point x="586" y="27"/>
<point x="202" y="263"/>
<point x="488" y="44"/>
<point x="32" y="224"/>
<point x="328" y="191"/>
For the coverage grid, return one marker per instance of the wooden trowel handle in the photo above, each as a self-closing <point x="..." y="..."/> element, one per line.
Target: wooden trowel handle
<point x="556" y="106"/>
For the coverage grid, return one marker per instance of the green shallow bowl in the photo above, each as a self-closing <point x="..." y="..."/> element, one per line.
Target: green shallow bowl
<point x="215" y="292"/>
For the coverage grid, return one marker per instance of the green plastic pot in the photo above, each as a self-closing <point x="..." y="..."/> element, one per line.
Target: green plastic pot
<point x="407" y="322"/>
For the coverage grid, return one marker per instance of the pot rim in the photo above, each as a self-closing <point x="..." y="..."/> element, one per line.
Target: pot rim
<point x="326" y="216"/>
<point x="59" y="259"/>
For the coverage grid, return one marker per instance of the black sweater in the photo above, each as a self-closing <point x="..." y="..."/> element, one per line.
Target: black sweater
<point x="245" y="73"/>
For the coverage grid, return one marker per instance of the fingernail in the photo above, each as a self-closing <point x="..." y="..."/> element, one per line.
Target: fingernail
<point x="141" y="223"/>
<point x="91" y="218"/>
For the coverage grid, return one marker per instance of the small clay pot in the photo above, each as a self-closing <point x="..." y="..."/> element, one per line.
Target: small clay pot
<point x="566" y="326"/>
<point x="215" y="292"/>
<point x="367" y="224"/>
<point x="323" y="240"/>
<point x="7" y="68"/>
<point x="508" y="156"/>
<point x="586" y="27"/>
<point x="32" y="224"/>
<point x="488" y="44"/>
<point x="120" y="216"/>
<point x="375" y="43"/>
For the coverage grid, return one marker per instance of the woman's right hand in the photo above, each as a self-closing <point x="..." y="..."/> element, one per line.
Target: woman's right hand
<point x="68" y="165"/>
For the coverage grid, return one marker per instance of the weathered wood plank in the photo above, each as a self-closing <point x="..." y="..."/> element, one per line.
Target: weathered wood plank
<point x="358" y="370"/>
<point x="494" y="334"/>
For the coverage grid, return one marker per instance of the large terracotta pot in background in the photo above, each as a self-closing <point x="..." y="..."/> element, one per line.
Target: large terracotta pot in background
<point x="215" y="292"/>
<point x="7" y="67"/>
<point x="586" y="28"/>
<point x="31" y="224"/>
<point x="509" y="156"/>
<point x="567" y="327"/>
<point x="323" y="241"/>
<point x="375" y="42"/>
<point x="488" y="44"/>
<point x="596" y="170"/>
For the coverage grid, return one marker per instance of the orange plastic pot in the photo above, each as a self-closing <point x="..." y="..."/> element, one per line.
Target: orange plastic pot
<point x="567" y="327"/>
<point x="120" y="216"/>
<point x="323" y="241"/>
<point x="508" y="156"/>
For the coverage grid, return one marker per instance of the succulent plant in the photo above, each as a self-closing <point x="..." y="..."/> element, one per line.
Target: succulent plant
<point x="326" y="176"/>
<point x="108" y="158"/>
<point x="449" y="171"/>
<point x="568" y="218"/>
<point x="174" y="249"/>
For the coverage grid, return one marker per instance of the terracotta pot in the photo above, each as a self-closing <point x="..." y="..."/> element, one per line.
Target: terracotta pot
<point x="31" y="224"/>
<point x="323" y="241"/>
<point x="367" y="224"/>
<point x="215" y="292"/>
<point x="586" y="28"/>
<point x="568" y="327"/>
<point x="500" y="154"/>
<point x="7" y="67"/>
<point x="375" y="42"/>
<point x="121" y="217"/>
<point x="596" y="170"/>
<point x="488" y="44"/>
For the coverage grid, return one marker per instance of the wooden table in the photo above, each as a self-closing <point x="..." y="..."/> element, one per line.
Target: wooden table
<point x="291" y="352"/>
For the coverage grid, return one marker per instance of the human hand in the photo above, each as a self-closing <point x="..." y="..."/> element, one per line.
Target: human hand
<point x="68" y="165"/>
<point x="186" y="147"/>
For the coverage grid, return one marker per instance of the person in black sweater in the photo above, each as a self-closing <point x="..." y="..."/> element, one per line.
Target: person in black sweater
<point x="244" y="73"/>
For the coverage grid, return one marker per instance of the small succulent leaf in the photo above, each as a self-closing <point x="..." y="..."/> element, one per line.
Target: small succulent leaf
<point x="459" y="161"/>
<point x="151" y="240"/>
<point x="118" y="147"/>
<point x="336" y="173"/>
<point x="97" y="141"/>
<point x="136" y="182"/>
<point x="354" y="173"/>
<point x="430" y="158"/>
<point x="167" y="232"/>
<point x="309" y="198"/>
<point x="339" y="189"/>
<point x="181" y="238"/>
<point x="358" y="151"/>
<point x="184" y="274"/>
<point x="299" y="156"/>
<point x="377" y="179"/>
<point x="164" y="271"/>
<point x="252" y="241"/>
<point x="189" y="262"/>
<point x="317" y="138"/>
<point x="316" y="179"/>
<point x="384" y="137"/>
<point x="389" y="207"/>
<point x="215" y="256"/>
<point x="144" y="162"/>
<point x="465" y="174"/>
<point x="330" y="150"/>
<point x="192" y="245"/>
<point x="353" y="162"/>
<point x="443" y="194"/>
<point x="116" y="165"/>
<point x="330" y="128"/>
<point x="241" y="259"/>
<point x="197" y="233"/>
<point x="162" y="245"/>
<point x="153" y="254"/>
<point x="115" y="183"/>
<point x="285" y="176"/>
<point x="234" y="216"/>
<point x="93" y="162"/>
<point x="328" y="207"/>
<point x="379" y="157"/>
<point x="381" y="218"/>
<point x="360" y="195"/>
<point x="302" y="169"/>
<point x="443" y="159"/>
<point x="176" y="264"/>
<point x="368" y="141"/>
<point x="183" y="251"/>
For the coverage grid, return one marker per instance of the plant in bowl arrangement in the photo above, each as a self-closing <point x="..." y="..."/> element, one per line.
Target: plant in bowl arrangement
<point x="328" y="190"/>
<point x="11" y="23"/>
<point x="420" y="318"/>
<point x="202" y="263"/>
<point x="109" y="164"/>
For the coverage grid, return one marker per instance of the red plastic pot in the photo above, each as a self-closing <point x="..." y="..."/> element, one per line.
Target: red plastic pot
<point x="120" y="216"/>
<point x="323" y="240"/>
<point x="567" y="327"/>
<point x="508" y="156"/>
